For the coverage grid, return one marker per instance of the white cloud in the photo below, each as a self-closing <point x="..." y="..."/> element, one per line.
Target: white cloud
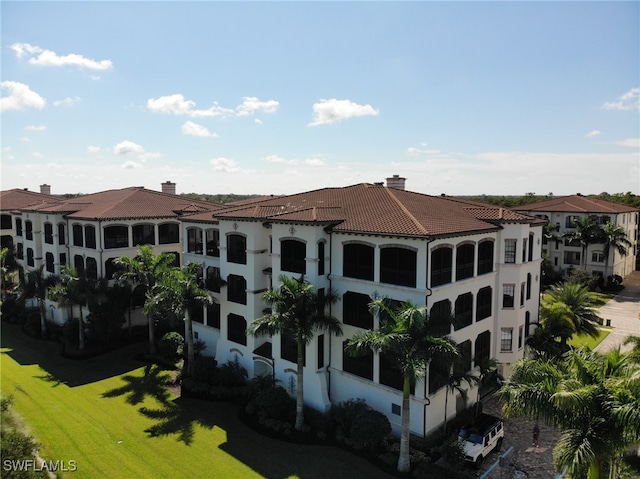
<point x="224" y="165"/>
<point x="130" y="165"/>
<point x="35" y="128"/>
<point x="314" y="162"/>
<point x="252" y="104"/>
<point x="93" y="149"/>
<point x="25" y="139"/>
<point x="126" y="147"/>
<point x="413" y="151"/>
<point x="40" y="56"/>
<point x="178" y="105"/>
<point x="593" y="133"/>
<point x="257" y="121"/>
<point x="37" y="155"/>
<point x="193" y="129"/>
<point x="95" y="77"/>
<point x="69" y="101"/>
<point x="628" y="101"/>
<point x="20" y="96"/>
<point x="147" y="155"/>
<point x="331" y="111"/>
<point x="630" y="142"/>
<point x="279" y="159"/>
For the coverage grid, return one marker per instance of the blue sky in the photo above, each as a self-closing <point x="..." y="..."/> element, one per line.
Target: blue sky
<point x="460" y="98"/>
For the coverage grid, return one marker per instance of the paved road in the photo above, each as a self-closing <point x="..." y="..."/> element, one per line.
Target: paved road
<point x="624" y="313"/>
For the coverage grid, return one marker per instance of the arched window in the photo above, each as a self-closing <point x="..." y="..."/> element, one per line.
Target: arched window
<point x="62" y="234"/>
<point x="92" y="268"/>
<point x="213" y="242"/>
<point x="463" y="311"/>
<point x="30" y="260"/>
<point x="116" y="237"/>
<point x="28" y="230"/>
<point x="398" y="266"/>
<point x="49" y="262"/>
<point x="485" y="257"/>
<point x="110" y="268"/>
<point x="482" y="347"/>
<point x="77" y="235"/>
<point x="441" y="264"/>
<point x="440" y="317"/>
<point x="292" y="256"/>
<point x="48" y="233"/>
<point x="355" y="310"/>
<point x="168" y="233"/>
<point x="237" y="249"/>
<point x="144" y="234"/>
<point x="90" y="236"/>
<point x="236" y="329"/>
<point x="236" y="289"/>
<point x="6" y="222"/>
<point x="359" y="365"/>
<point x="194" y="240"/>
<point x="18" y="227"/>
<point x="357" y="261"/>
<point x="321" y="258"/>
<point x="484" y="301"/>
<point x="78" y="264"/>
<point x="464" y="261"/>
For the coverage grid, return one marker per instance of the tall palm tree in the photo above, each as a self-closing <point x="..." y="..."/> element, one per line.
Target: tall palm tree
<point x="298" y="312"/>
<point x="614" y="239"/>
<point x="70" y="290"/>
<point x="587" y="232"/>
<point x="182" y="291"/>
<point x="146" y="269"/>
<point x="593" y="399"/>
<point x="580" y="306"/>
<point x="36" y="284"/>
<point x="406" y="335"/>
<point x="455" y="383"/>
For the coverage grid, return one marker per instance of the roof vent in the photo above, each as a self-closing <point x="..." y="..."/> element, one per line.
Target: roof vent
<point x="396" y="182"/>
<point x="45" y="189"/>
<point x="169" y="188"/>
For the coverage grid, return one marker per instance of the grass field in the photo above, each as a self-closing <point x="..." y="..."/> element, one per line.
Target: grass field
<point x="579" y="341"/>
<point x="115" y="417"/>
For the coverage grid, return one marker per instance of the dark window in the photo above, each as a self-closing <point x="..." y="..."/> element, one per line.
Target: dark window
<point x="237" y="327"/>
<point x="138" y="296"/>
<point x="485" y="257"/>
<point x="197" y="314"/>
<point x="441" y="261"/>
<point x="48" y="233"/>
<point x="528" y="285"/>
<point x="237" y="289"/>
<point x="485" y="300"/>
<point x="110" y="268"/>
<point x="569" y="221"/>
<point x="506" y="339"/>
<point x="510" y="246"/>
<point x="527" y="323"/>
<point x="292" y="254"/>
<point x="522" y="292"/>
<point x="77" y="235"/>
<point x="321" y="258"/>
<point x="508" y="295"/>
<point x="18" y="227"/>
<point x="572" y="257"/>
<point x="5" y="222"/>
<point x="116" y="237"/>
<point x="357" y="261"/>
<point x="92" y="268"/>
<point x="524" y="250"/>
<point x="237" y="249"/>
<point x="213" y="280"/>
<point x="62" y="236"/>
<point x="213" y="242"/>
<point x="390" y="375"/>
<point x="464" y="261"/>
<point x="30" y="261"/>
<point x="464" y="350"/>
<point x="28" y="230"/>
<point x="321" y="351"/>
<point x="440" y="318"/>
<point x="49" y="260"/>
<point x="63" y="259"/>
<point x="78" y="264"/>
<point x="144" y="234"/>
<point x="194" y="240"/>
<point x="530" y="247"/>
<point x="19" y="251"/>
<point x="213" y="315"/>
<point x="289" y="349"/>
<point x="398" y="266"/>
<point x="90" y="236"/>
<point x="359" y="365"/>
<point x="438" y="373"/>
<point x="168" y="233"/>
<point x="463" y="311"/>
<point x="483" y="347"/>
<point x="355" y="310"/>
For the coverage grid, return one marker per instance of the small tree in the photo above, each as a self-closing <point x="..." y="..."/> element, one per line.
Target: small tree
<point x="36" y="285"/>
<point x="614" y="239"/>
<point x="71" y="290"/>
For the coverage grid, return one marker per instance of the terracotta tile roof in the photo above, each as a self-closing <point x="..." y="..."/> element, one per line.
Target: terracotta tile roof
<point x="577" y="204"/>
<point x="377" y="209"/>
<point x="24" y="199"/>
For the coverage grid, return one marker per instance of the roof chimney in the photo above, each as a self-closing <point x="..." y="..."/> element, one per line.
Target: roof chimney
<point x="396" y="182"/>
<point x="45" y="189"/>
<point x="169" y="187"/>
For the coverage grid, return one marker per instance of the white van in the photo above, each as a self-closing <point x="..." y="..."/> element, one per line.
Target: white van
<point x="481" y="436"/>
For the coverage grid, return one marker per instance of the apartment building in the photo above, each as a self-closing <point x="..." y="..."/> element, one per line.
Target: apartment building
<point x="565" y="255"/>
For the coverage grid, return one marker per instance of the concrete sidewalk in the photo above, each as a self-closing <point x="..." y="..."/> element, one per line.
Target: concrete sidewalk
<point x="624" y="313"/>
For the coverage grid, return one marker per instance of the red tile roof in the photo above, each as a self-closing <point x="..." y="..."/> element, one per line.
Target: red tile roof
<point x="577" y="204"/>
<point x="24" y="199"/>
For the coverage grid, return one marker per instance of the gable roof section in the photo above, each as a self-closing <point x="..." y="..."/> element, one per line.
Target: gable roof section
<point x="576" y="204"/>
<point x="367" y="208"/>
<point x="16" y="199"/>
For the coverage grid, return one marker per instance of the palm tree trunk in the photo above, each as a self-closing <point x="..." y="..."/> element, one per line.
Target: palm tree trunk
<point x="595" y="469"/>
<point x="446" y="404"/>
<point x="190" y="352"/>
<point x="300" y="388"/>
<point x="152" y="334"/>
<point x="43" y="318"/>
<point x="80" y="329"/>
<point x="404" y="462"/>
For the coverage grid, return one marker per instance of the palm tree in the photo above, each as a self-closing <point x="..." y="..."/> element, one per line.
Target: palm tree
<point x="297" y="311"/>
<point x="454" y="383"/>
<point x="593" y="399"/>
<point x="614" y="239"/>
<point x="70" y="290"/>
<point x="146" y="269"/>
<point x="587" y="232"/>
<point x="36" y="285"/>
<point x="549" y="339"/>
<point x="406" y="335"/>
<point x="181" y="290"/>
<point x="634" y="354"/>
<point x="488" y="376"/>
<point x="580" y="307"/>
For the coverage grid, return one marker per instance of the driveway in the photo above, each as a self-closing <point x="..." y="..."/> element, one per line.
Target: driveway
<point x="623" y="312"/>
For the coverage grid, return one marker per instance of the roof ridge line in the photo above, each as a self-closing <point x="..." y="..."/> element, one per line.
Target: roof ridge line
<point x="413" y="219"/>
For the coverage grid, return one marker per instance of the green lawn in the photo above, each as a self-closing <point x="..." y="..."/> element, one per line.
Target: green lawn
<point x="580" y="341"/>
<point x="115" y="417"/>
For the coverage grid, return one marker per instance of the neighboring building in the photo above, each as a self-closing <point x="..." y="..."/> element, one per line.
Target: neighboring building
<point x="363" y="241"/>
<point x="564" y="255"/>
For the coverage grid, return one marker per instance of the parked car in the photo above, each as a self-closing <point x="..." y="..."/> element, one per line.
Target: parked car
<point x="481" y="436"/>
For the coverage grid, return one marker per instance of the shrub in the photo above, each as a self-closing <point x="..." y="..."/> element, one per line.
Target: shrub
<point x="32" y="323"/>
<point x="345" y="413"/>
<point x="204" y="370"/>
<point x="198" y="346"/>
<point x="231" y="374"/>
<point x="369" y="429"/>
<point x="171" y="345"/>
<point x="273" y="403"/>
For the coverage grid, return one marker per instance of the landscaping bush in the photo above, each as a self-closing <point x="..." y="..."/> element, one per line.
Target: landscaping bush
<point x="170" y="346"/>
<point x="345" y="413"/>
<point x="32" y="323"/>
<point x="273" y="403"/>
<point x="369" y="429"/>
<point x="231" y="374"/>
<point x="204" y="370"/>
